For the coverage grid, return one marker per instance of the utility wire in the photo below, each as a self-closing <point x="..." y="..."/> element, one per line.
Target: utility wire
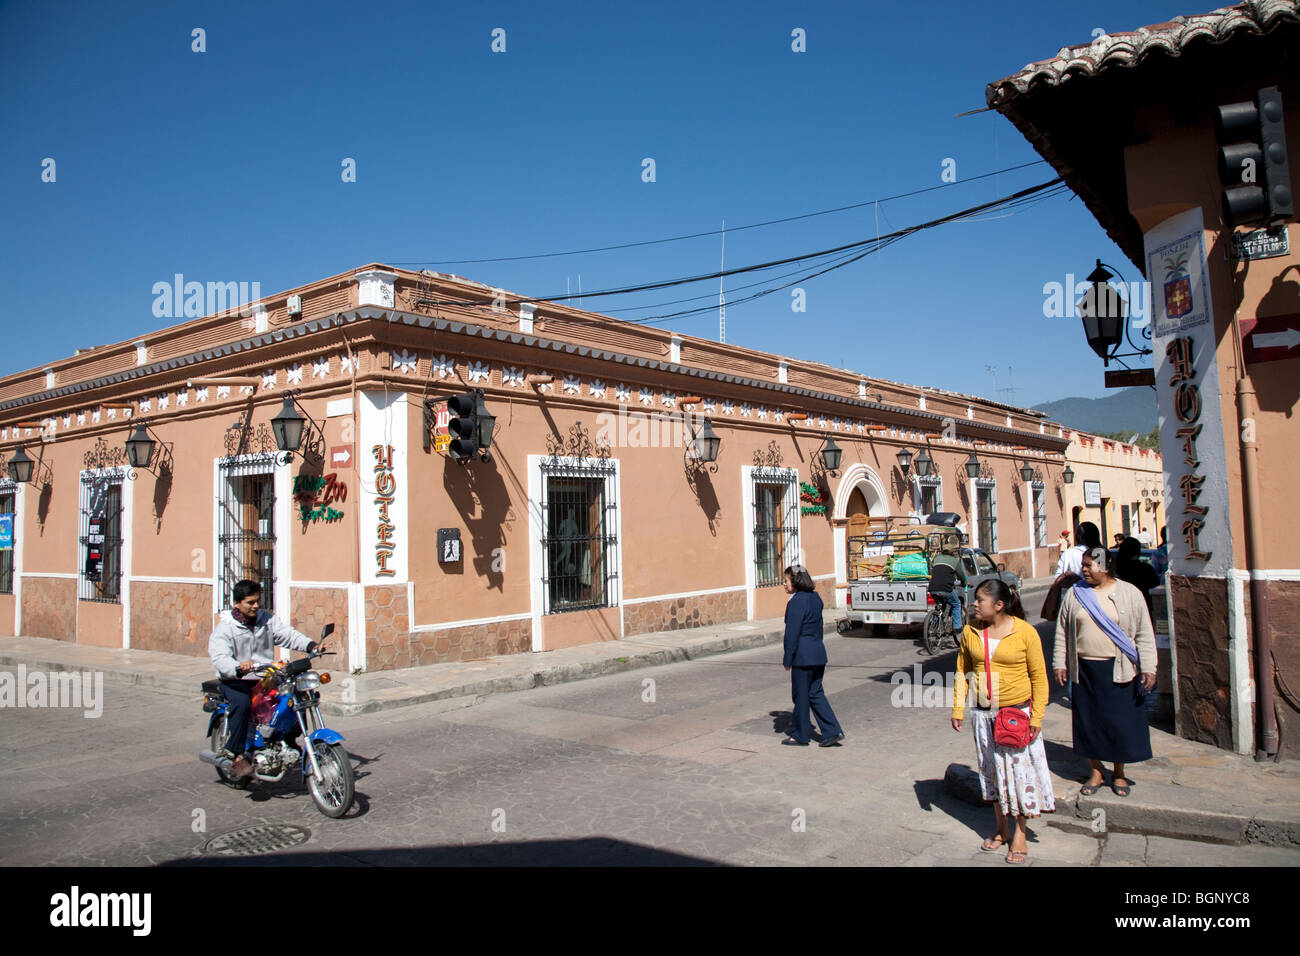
<point x="713" y="232"/>
<point x="1004" y="202"/>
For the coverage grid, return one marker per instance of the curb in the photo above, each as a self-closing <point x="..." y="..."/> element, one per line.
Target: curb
<point x="960" y="781"/>
<point x="553" y="674"/>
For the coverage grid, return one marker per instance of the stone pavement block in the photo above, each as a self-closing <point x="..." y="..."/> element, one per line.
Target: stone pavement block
<point x="1163" y="851"/>
<point x="1124" y="848"/>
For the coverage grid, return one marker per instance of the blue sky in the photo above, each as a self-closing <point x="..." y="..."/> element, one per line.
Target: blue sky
<point x="226" y="165"/>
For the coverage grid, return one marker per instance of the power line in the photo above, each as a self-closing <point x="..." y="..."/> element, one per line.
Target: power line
<point x="1008" y="201"/>
<point x="712" y="232"/>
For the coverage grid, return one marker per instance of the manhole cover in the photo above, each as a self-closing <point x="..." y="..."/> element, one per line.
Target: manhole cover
<point x="250" y="841"/>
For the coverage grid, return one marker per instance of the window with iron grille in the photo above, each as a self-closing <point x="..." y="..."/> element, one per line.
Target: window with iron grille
<point x="929" y="497"/>
<point x="246" y="516"/>
<point x="7" y="499"/>
<point x="776" y="524"/>
<point x="99" y="576"/>
<point x="986" y="511"/>
<point x="1040" y="514"/>
<point x="580" y="521"/>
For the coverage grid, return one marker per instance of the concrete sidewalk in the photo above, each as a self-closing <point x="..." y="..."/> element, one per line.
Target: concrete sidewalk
<point x="382" y="690"/>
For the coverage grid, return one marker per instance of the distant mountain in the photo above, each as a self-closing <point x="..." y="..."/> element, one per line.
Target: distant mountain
<point x="1131" y="410"/>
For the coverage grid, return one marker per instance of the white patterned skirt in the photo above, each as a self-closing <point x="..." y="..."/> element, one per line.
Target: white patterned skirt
<point x="1017" y="779"/>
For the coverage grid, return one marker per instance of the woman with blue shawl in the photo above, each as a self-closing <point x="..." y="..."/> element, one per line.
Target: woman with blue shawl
<point x="1106" y="645"/>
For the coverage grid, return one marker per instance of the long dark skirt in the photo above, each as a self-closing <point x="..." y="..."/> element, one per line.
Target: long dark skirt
<point x="1109" y="723"/>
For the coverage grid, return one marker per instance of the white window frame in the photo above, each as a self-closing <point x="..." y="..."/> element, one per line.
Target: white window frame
<point x="929" y="481"/>
<point x="558" y="467"/>
<point x="753" y="475"/>
<point x="574" y="469"/>
<point x="281" y="522"/>
<point x="1037" y="540"/>
<point x="121" y="477"/>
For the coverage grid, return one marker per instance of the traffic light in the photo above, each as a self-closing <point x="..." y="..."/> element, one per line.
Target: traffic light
<point x="463" y="426"/>
<point x="1253" y="161"/>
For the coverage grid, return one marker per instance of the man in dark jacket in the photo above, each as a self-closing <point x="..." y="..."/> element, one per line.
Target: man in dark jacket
<point x="805" y="658"/>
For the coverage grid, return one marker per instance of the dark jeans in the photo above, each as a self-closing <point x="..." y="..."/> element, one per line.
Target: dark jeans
<point x="953" y="600"/>
<point x="239" y="694"/>
<point x="806" y="691"/>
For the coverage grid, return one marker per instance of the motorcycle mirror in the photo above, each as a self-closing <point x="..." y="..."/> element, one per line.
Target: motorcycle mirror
<point x="326" y="631"/>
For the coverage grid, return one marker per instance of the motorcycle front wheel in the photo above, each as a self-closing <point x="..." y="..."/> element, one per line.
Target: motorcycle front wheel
<point x="333" y="795"/>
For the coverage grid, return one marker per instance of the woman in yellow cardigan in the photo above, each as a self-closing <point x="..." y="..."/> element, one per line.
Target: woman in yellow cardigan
<point x="1017" y="781"/>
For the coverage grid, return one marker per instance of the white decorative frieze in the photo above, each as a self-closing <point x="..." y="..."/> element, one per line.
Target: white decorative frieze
<point x="268" y="379"/>
<point x="596" y="389"/>
<point x="512" y="376"/>
<point x="294" y="375"/>
<point x="320" y="367"/>
<point x="405" y="361"/>
<point x="669" y="399"/>
<point x="347" y="364"/>
<point x="443" y="366"/>
<point x="572" y="386"/>
<point x="479" y="371"/>
<point x="622" y="392"/>
<point x="647" y="397"/>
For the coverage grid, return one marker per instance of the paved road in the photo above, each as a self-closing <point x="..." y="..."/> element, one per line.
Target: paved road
<point x="676" y="764"/>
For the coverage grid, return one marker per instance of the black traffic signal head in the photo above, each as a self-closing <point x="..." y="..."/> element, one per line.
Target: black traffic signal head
<point x="462" y="426"/>
<point x="1253" y="161"/>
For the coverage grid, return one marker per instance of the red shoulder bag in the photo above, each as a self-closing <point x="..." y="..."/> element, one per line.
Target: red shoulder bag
<point x="1011" y="726"/>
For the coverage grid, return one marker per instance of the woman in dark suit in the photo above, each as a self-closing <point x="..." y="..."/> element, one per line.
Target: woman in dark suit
<point x="805" y="659"/>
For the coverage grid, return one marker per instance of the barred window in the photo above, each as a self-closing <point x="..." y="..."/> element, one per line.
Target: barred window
<point x="986" y="509"/>
<point x="580" y="518"/>
<point x="776" y="523"/>
<point x="929" y="495"/>
<point x="246" y="487"/>
<point x="99" y="576"/>
<point x="8" y="542"/>
<point x="1040" y="514"/>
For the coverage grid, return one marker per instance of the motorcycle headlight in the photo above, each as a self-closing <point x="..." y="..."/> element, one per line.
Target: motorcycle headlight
<point x="309" y="680"/>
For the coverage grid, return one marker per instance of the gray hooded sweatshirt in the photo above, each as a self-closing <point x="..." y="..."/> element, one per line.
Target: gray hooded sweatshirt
<point x="232" y="642"/>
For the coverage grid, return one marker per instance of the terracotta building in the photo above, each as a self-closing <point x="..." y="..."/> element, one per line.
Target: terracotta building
<point x="1129" y="122"/>
<point x="591" y="521"/>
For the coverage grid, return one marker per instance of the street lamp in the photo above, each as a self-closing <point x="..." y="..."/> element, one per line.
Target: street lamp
<point x="20" y="466"/>
<point x="905" y="460"/>
<point x="139" y="447"/>
<point x="288" y="426"/>
<point x="924" y="463"/>
<point x="705" y="443"/>
<point x="973" y="466"/>
<point x="1067" y="476"/>
<point x="1027" y="472"/>
<point x="486" y="424"/>
<point x="831" y="454"/>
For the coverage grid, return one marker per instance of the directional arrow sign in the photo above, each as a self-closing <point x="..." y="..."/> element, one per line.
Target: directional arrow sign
<point x="341" y="456"/>
<point x="1271" y="339"/>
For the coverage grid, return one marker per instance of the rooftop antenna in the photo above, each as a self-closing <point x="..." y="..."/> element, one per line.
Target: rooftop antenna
<point x="722" y="298"/>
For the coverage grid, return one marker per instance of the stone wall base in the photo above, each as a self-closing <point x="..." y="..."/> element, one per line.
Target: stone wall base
<point x="171" y="617"/>
<point x="673" y="614"/>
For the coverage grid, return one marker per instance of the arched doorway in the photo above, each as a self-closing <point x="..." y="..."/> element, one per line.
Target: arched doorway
<point x="861" y="492"/>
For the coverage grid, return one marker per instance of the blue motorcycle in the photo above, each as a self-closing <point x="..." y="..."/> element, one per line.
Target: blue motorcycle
<point x="288" y="706"/>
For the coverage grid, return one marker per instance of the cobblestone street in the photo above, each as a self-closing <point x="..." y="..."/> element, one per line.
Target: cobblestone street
<point x="674" y="764"/>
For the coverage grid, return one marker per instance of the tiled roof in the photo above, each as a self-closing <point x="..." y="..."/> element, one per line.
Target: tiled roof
<point x="1128" y="50"/>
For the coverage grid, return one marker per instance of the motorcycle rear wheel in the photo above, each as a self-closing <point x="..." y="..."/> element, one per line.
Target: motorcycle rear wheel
<point x="217" y="742"/>
<point x="333" y="795"/>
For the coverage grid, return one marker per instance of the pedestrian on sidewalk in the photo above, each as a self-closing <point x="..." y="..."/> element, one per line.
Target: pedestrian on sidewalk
<point x="1005" y="659"/>
<point x="1103" y="639"/>
<point x="805" y="659"/>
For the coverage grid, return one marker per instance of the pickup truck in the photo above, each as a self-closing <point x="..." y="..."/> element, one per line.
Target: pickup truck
<point x="880" y="602"/>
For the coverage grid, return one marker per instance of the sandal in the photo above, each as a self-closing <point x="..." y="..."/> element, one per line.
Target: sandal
<point x="989" y="846"/>
<point x="1121" y="791"/>
<point x="1017" y="857"/>
<point x="1089" y="789"/>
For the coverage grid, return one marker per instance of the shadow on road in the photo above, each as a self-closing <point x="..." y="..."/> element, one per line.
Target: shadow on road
<point x="590" y="851"/>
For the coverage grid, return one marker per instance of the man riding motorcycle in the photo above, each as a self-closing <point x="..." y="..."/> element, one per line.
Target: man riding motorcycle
<point x="242" y="642"/>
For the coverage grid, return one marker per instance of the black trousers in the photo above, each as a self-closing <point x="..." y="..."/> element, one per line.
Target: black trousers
<point x="239" y="695"/>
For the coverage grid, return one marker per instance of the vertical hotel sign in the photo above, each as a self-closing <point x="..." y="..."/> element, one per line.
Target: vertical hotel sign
<point x="385" y="495"/>
<point x="1187" y="392"/>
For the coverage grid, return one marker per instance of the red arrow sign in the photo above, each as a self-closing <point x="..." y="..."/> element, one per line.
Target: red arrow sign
<point x="1272" y="338"/>
<point x="341" y="456"/>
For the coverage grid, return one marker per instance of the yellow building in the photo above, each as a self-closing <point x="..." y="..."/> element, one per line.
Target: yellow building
<point x="1118" y="487"/>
